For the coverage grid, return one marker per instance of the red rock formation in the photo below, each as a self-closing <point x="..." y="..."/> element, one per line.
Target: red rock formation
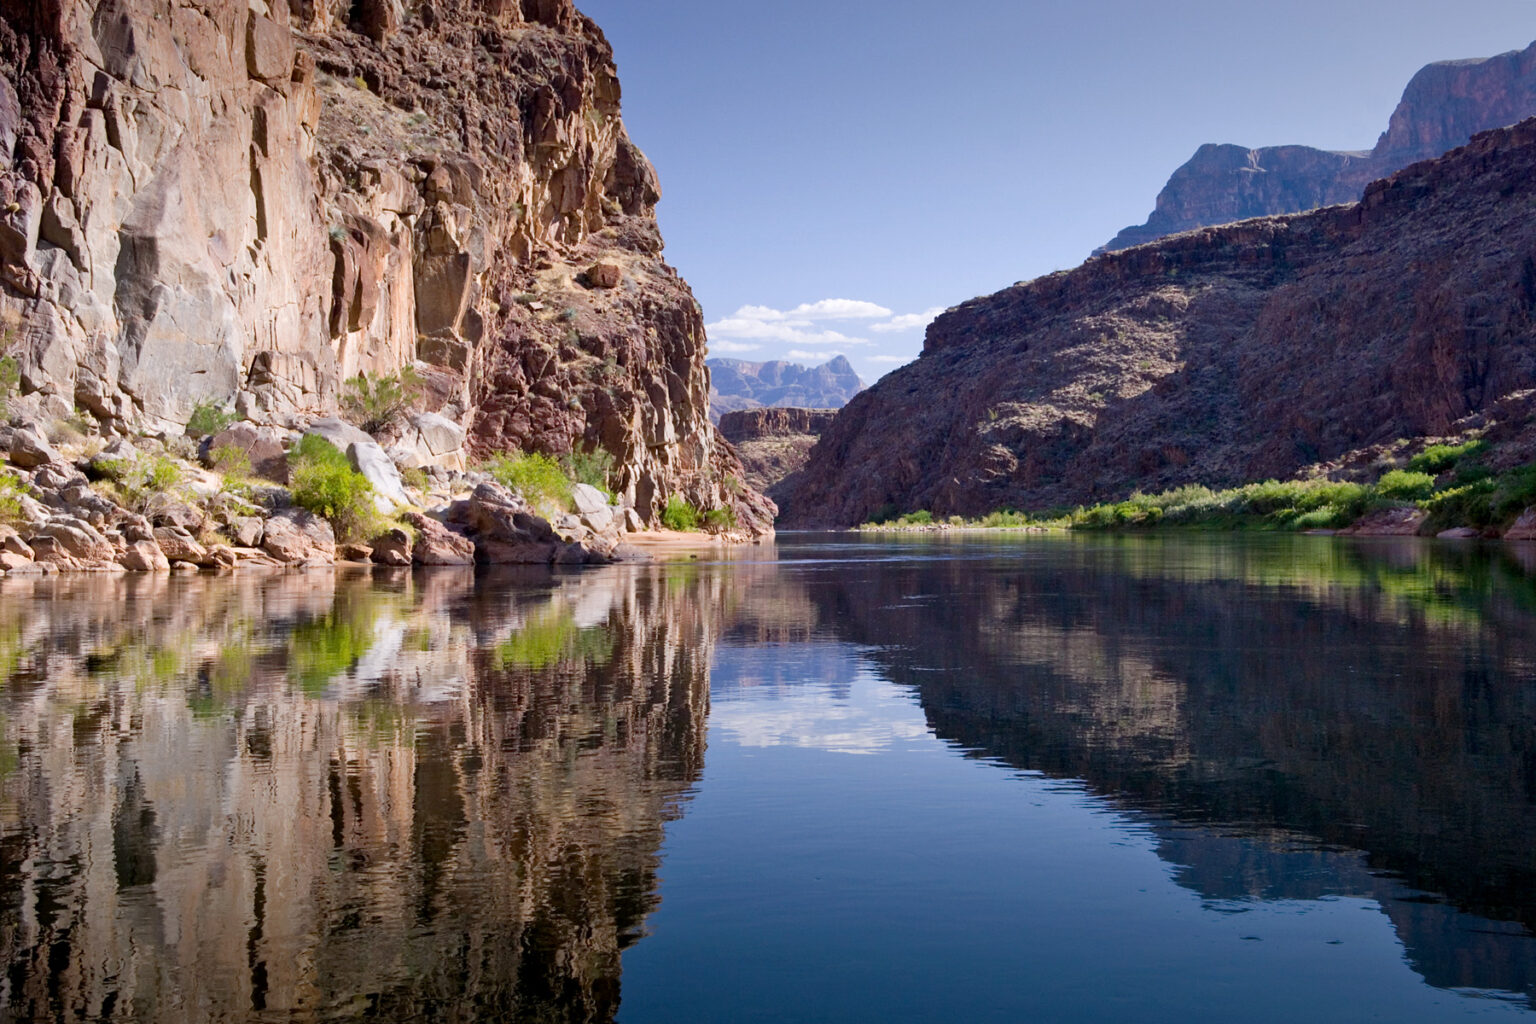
<point x="774" y="443"/>
<point x="1444" y="105"/>
<point x="1218" y="356"/>
<point x="211" y="203"/>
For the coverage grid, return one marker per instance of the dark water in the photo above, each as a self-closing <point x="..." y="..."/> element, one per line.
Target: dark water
<point x="1055" y="779"/>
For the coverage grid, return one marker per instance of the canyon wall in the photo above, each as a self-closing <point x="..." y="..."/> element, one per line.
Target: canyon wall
<point x="247" y="203"/>
<point x="1445" y="104"/>
<point x="774" y="443"/>
<point x="1218" y="356"/>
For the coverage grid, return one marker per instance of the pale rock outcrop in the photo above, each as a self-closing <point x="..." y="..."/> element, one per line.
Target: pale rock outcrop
<point x="297" y="537"/>
<point x="379" y="470"/>
<point x="246" y="204"/>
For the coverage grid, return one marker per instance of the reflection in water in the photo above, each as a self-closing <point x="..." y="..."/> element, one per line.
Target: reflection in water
<point x="1298" y="717"/>
<point x="442" y="795"/>
<point x="298" y="796"/>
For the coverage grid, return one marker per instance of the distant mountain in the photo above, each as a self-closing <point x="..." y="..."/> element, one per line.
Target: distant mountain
<point x="1444" y="106"/>
<point x="736" y="384"/>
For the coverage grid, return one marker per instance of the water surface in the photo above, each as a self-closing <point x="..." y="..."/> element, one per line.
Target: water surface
<point x="1058" y="778"/>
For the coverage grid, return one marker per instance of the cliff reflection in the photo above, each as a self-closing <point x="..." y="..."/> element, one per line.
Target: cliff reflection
<point x="1293" y="717"/>
<point x="303" y="796"/>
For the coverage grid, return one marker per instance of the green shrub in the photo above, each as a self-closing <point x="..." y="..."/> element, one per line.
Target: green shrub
<point x="679" y="515"/>
<point x="208" y="418"/>
<point x="538" y="478"/>
<point x="416" y="477"/>
<point x="1405" y="485"/>
<point x="232" y="461"/>
<point x="922" y="517"/>
<point x="374" y="402"/>
<point x="11" y="491"/>
<point x="590" y="468"/>
<point x="324" y="482"/>
<point x="1004" y="517"/>
<point x="1438" y="458"/>
<point x="160" y="474"/>
<point x="10" y="377"/>
<point x="719" y="520"/>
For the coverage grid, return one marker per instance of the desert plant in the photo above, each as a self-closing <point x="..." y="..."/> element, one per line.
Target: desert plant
<point x="232" y="461"/>
<point x="416" y="477"/>
<point x="591" y="468"/>
<point x="1405" y="485"/>
<point x="374" y="402"/>
<point x="324" y="482"/>
<point x="719" y="520"/>
<point x="538" y="478"/>
<point x="679" y="515"/>
<point x="1438" y="458"/>
<point x="12" y="489"/>
<point x="208" y="418"/>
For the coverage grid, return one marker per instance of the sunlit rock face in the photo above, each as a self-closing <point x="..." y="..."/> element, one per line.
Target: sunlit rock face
<point x="242" y="203"/>
<point x="1444" y="105"/>
<point x="232" y="799"/>
<point x="1368" y="710"/>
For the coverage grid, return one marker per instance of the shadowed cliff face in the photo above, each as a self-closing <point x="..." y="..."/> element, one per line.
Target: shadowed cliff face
<point x="222" y="202"/>
<point x="234" y="799"/>
<point x="1219" y="356"/>
<point x="1443" y="107"/>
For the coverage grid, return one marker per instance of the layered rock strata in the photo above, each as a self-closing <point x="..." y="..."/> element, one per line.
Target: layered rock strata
<point x="775" y="443"/>
<point x="1218" y="356"/>
<point x="1444" y="106"/>
<point x="242" y="203"/>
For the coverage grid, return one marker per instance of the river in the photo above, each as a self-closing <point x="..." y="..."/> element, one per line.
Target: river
<point x="839" y="778"/>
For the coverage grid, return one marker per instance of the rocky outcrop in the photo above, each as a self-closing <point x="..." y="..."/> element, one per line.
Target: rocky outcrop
<point x="247" y="204"/>
<point x="1444" y="105"/>
<point x="736" y="384"/>
<point x="774" y="444"/>
<point x="1220" y="356"/>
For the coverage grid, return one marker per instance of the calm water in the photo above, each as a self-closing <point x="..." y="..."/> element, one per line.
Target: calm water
<point x="1007" y="779"/>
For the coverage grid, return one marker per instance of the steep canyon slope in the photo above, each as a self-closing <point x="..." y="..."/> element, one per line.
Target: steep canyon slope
<point x="1444" y="105"/>
<point x="240" y="202"/>
<point x="1217" y="356"/>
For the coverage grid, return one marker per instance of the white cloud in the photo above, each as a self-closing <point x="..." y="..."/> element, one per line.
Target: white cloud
<point x="796" y="353"/>
<point x="826" y="309"/>
<point x="796" y="332"/>
<point x="891" y="359"/>
<point x="907" y="321"/>
<point x="732" y="346"/>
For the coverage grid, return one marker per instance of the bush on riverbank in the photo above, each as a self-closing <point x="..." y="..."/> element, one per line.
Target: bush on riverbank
<point x="323" y="481"/>
<point x="1449" y="482"/>
<point x="541" y="480"/>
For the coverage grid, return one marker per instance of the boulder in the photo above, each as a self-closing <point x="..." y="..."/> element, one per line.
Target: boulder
<point x="341" y="434"/>
<point x="297" y="537"/>
<point x="262" y="445"/>
<point x="178" y="514"/>
<point x="144" y="556"/>
<point x="604" y="275"/>
<point x="246" y="531"/>
<point x="180" y="546"/>
<point x="56" y="476"/>
<point x="600" y="521"/>
<point x="632" y="521"/>
<point x="1523" y="528"/>
<point x="12" y="562"/>
<point x="392" y="548"/>
<point x="355" y="553"/>
<point x="437" y="435"/>
<point x="1388" y="522"/>
<point x="589" y="499"/>
<point x="369" y="459"/>
<point x="30" y="449"/>
<point x="438" y="545"/>
<point x="67" y="540"/>
<point x="1459" y="533"/>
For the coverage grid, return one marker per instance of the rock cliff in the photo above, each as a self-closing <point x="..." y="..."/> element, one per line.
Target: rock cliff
<point x="1217" y="356"/>
<point x="240" y="202"/>
<point x="1444" y="105"/>
<point x="774" y="444"/>
<point x="736" y="384"/>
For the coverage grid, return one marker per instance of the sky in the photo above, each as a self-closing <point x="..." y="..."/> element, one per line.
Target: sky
<point x="836" y="172"/>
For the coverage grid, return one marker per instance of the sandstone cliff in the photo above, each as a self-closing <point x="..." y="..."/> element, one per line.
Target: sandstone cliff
<point x="1218" y="356"/>
<point x="241" y="202"/>
<point x="1444" y="105"/>
<point x="774" y="444"/>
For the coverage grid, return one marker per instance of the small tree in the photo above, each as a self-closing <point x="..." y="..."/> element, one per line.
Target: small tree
<point x="374" y="402"/>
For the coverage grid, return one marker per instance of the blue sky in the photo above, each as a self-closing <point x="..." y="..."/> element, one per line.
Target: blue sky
<point x="836" y="170"/>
